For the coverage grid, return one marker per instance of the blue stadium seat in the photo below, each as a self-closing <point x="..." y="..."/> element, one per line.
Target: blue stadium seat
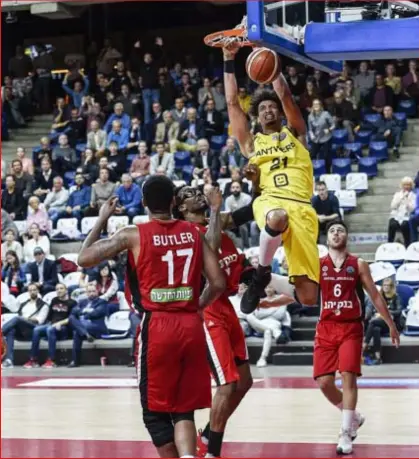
<point x="182" y="158"/>
<point x="368" y="166"/>
<point x="319" y="167"/>
<point x="379" y="150"/>
<point x="80" y="148"/>
<point x="341" y="166"/>
<point x="372" y="118"/>
<point x="187" y="173"/>
<point x="405" y="292"/>
<point x="402" y="119"/>
<point x="363" y="137"/>
<point x="218" y="141"/>
<point x="340" y="136"/>
<point x="354" y="149"/>
<point x="69" y="178"/>
<point x="408" y="107"/>
<point x="130" y="159"/>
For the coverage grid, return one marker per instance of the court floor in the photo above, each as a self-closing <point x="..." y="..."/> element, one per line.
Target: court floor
<point x="95" y="412"/>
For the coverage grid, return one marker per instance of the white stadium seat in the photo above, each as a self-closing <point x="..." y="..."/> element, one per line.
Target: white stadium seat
<point x="333" y="181"/>
<point x="141" y="219"/>
<point x="347" y="199"/>
<point x="72" y="279"/>
<point x="117" y="222"/>
<point x="87" y="224"/>
<point x="118" y="325"/>
<point x="70" y="223"/>
<point x="394" y="252"/>
<point x="223" y="182"/>
<point x="7" y="317"/>
<point x="412" y="252"/>
<point x="357" y="181"/>
<point x="252" y="252"/>
<point x="5" y="292"/>
<point x="21" y="226"/>
<point x="322" y="250"/>
<point x="382" y="270"/>
<point x="49" y="297"/>
<point x="408" y="274"/>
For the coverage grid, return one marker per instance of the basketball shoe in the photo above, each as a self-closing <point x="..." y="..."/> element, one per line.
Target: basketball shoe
<point x="345" y="443"/>
<point x="201" y="446"/>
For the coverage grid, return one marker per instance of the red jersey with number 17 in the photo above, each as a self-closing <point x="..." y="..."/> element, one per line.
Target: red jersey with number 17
<point x="167" y="275"/>
<point x="340" y="301"/>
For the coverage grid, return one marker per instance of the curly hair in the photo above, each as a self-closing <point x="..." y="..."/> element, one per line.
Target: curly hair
<point x="261" y="96"/>
<point x="175" y="210"/>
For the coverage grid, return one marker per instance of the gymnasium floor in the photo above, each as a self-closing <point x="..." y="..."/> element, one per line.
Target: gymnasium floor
<point x="95" y="412"/>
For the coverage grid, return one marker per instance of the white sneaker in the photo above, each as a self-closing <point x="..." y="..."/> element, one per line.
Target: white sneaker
<point x="7" y="364"/>
<point x="358" y="422"/>
<point x="261" y="363"/>
<point x="344" y="443"/>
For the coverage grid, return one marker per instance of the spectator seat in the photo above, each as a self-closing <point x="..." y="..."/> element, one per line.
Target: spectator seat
<point x="7" y="317"/>
<point x="402" y="119"/>
<point x="412" y="252"/>
<point x="187" y="173"/>
<point x="381" y="270"/>
<point x="69" y="178"/>
<point x="405" y="292"/>
<point x="341" y="166"/>
<point x="118" y="325"/>
<point x="72" y="279"/>
<point x="5" y="291"/>
<point x="217" y="142"/>
<point x="363" y="137"/>
<point x="379" y="150"/>
<point x="70" y="223"/>
<point x="49" y="297"/>
<point x="340" y="136"/>
<point x="249" y="184"/>
<point x="347" y="199"/>
<point x="87" y="224"/>
<point x="319" y="167"/>
<point x="21" y="226"/>
<point x="333" y="181"/>
<point x="408" y="274"/>
<point x="223" y="182"/>
<point x="368" y="166"/>
<point x="141" y="219"/>
<point x="393" y="252"/>
<point x="23" y="297"/>
<point x="357" y="181"/>
<point x="323" y="251"/>
<point x="116" y="222"/>
<point x="412" y="319"/>
<point x="252" y="252"/>
<point x="372" y="118"/>
<point x="408" y="107"/>
<point x="182" y="158"/>
<point x="353" y="149"/>
<point x="80" y="148"/>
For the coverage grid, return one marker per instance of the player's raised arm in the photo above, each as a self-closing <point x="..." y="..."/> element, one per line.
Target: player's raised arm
<point x="291" y="109"/>
<point x="216" y="282"/>
<point x="96" y="250"/>
<point x="238" y="119"/>
<point x="213" y="234"/>
<point x="377" y="300"/>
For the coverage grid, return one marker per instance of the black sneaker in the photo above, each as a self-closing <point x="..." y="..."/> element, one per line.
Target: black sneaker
<point x="256" y="290"/>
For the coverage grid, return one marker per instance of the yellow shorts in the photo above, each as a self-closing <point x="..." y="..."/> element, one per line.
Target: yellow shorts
<point x="299" y="240"/>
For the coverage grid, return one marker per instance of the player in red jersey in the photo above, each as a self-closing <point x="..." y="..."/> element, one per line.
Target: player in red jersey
<point x="166" y="260"/>
<point x="339" y="332"/>
<point x="227" y="351"/>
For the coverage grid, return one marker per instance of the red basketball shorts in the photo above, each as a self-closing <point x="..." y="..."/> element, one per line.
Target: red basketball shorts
<point x="172" y="367"/>
<point x="338" y="347"/>
<point x="226" y="345"/>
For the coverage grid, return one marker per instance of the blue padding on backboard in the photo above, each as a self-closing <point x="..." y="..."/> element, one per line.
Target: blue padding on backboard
<point x="257" y="33"/>
<point x="384" y="39"/>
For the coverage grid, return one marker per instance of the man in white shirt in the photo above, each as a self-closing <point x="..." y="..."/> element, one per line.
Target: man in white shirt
<point x="56" y="200"/>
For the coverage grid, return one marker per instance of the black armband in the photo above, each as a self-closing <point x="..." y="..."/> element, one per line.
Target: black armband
<point x="242" y="215"/>
<point x="229" y="66"/>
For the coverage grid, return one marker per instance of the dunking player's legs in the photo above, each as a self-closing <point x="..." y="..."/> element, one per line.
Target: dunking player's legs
<point x="185" y="438"/>
<point x="167" y="451"/>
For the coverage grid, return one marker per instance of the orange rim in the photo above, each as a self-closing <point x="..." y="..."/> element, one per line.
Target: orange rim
<point x="226" y="37"/>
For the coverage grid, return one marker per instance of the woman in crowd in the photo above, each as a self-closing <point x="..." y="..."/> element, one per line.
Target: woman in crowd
<point x="402" y="205"/>
<point x="27" y="164"/>
<point x="107" y="284"/>
<point x="307" y="98"/>
<point x="12" y="274"/>
<point x="11" y="244"/>
<point x="377" y="326"/>
<point x="35" y="240"/>
<point x="320" y="128"/>
<point x="38" y="215"/>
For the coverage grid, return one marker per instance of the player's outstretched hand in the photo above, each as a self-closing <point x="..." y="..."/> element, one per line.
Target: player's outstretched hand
<point x="108" y="209"/>
<point x="395" y="336"/>
<point x="231" y="50"/>
<point x="215" y="199"/>
<point x="252" y="173"/>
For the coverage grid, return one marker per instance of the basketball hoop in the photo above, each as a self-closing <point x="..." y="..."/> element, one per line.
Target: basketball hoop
<point x="224" y="38"/>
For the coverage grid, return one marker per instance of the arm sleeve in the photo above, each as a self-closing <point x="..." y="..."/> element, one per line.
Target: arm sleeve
<point x="243" y="215"/>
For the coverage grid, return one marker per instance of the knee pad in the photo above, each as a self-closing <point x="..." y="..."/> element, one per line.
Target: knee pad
<point x="177" y="417"/>
<point x="160" y="427"/>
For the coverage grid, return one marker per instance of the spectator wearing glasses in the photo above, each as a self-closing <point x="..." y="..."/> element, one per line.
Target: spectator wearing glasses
<point x="43" y="272"/>
<point x="87" y="321"/>
<point x="55" y="328"/>
<point x="31" y="313"/>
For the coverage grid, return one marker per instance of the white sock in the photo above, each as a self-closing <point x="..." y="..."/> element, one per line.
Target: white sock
<point x="347" y="419"/>
<point x="186" y="456"/>
<point x="339" y="406"/>
<point x="204" y="440"/>
<point x="268" y="245"/>
<point x="209" y="455"/>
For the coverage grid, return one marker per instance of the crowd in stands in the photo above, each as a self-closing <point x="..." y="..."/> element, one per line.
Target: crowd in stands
<point x="141" y="115"/>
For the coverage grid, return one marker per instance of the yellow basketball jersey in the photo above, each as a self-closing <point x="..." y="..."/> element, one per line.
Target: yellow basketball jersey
<point x="285" y="166"/>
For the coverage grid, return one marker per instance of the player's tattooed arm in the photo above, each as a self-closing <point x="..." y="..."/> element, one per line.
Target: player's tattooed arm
<point x="292" y="111"/>
<point x="216" y="282"/>
<point x="96" y="250"/>
<point x="213" y="234"/>
<point x="377" y="300"/>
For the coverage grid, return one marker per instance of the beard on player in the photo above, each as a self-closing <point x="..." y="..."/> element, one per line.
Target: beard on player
<point x="189" y="200"/>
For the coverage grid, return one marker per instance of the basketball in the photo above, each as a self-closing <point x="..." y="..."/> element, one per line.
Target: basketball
<point x="263" y="65"/>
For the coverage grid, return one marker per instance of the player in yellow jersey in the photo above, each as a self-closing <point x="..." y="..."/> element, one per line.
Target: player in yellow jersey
<point x="283" y="211"/>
